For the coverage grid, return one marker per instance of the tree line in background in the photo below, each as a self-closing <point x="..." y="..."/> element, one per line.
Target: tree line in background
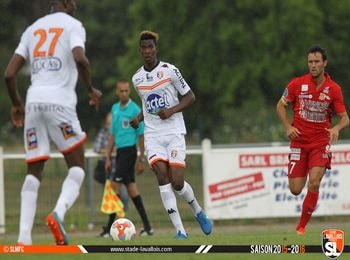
<point x="236" y="55"/>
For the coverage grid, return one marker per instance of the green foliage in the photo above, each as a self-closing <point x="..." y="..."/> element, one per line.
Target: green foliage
<point x="236" y="55"/>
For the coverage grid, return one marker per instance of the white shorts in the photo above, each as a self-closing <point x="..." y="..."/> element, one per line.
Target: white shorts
<point x="50" y="121"/>
<point x="168" y="148"/>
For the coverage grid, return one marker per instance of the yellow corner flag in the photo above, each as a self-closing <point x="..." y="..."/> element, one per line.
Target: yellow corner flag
<point x="111" y="202"/>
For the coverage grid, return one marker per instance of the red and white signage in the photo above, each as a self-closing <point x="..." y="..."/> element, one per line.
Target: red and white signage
<point x="253" y="182"/>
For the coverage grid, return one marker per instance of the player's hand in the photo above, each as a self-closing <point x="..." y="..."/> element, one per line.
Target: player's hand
<point x="135" y="123"/>
<point x="95" y="96"/>
<point x="333" y="135"/>
<point x="17" y="115"/>
<point x="165" y="113"/>
<point x="293" y="132"/>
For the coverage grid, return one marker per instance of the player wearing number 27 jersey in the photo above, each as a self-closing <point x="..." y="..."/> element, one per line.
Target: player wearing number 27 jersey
<point x="54" y="48"/>
<point x="159" y="89"/>
<point x="45" y="45"/>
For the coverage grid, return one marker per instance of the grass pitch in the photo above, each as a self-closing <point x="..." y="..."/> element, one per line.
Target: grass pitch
<point x="225" y="234"/>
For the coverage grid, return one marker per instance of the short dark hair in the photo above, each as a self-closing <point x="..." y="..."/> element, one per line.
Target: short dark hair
<point x="317" y="48"/>
<point x="149" y="35"/>
<point x="122" y="80"/>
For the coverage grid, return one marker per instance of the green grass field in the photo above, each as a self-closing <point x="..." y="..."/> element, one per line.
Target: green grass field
<point x="264" y="233"/>
<point x="229" y="232"/>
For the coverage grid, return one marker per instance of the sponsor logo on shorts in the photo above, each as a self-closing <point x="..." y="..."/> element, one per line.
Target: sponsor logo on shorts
<point x="295" y="150"/>
<point x="295" y="157"/>
<point x="67" y="130"/>
<point x="332" y="242"/>
<point x="295" y="154"/>
<point x="32" y="140"/>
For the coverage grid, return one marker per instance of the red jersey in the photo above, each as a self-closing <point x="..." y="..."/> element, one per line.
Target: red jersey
<point x="313" y="108"/>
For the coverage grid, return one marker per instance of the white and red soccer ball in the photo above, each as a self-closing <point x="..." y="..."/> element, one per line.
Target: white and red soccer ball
<point x="123" y="229"/>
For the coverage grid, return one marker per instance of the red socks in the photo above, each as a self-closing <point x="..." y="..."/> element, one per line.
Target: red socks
<point x="309" y="206"/>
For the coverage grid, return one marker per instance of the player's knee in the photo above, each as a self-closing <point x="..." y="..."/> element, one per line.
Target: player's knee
<point x="295" y="190"/>
<point x="31" y="183"/>
<point x="177" y="186"/>
<point x="314" y="186"/>
<point x="76" y="174"/>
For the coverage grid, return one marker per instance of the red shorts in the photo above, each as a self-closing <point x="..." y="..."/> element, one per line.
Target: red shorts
<point x="301" y="160"/>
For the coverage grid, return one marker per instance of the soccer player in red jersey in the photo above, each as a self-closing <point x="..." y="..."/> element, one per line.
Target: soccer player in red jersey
<point x="314" y="98"/>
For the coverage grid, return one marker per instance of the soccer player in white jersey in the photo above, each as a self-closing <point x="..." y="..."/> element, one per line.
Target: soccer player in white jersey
<point x="158" y="84"/>
<point x="54" y="46"/>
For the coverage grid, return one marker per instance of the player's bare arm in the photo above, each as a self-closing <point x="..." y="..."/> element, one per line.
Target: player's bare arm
<point x="186" y="101"/>
<point x="83" y="66"/>
<point x="136" y="121"/>
<point x="17" y="111"/>
<point x="291" y="131"/>
<point x="334" y="131"/>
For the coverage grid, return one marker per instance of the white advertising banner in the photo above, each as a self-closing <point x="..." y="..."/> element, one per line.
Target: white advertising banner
<point x="253" y="183"/>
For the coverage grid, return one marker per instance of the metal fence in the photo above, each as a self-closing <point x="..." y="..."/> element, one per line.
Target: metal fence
<point x="13" y="170"/>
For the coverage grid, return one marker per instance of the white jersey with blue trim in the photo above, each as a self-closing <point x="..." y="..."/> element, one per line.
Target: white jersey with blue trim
<point x="159" y="89"/>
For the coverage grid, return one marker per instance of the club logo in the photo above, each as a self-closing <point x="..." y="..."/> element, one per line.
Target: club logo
<point x="332" y="242"/>
<point x="173" y="153"/>
<point x="160" y="74"/>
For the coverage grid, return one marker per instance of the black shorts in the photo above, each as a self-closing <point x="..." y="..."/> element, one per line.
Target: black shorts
<point x="125" y="165"/>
